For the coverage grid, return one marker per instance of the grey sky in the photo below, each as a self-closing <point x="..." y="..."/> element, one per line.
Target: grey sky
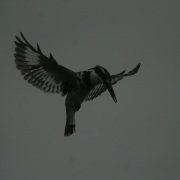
<point x="135" y="139"/>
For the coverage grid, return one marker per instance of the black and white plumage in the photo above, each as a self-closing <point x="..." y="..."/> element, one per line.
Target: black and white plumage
<point x="46" y="74"/>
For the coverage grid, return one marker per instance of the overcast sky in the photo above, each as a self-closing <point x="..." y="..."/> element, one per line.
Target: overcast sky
<point x="135" y="139"/>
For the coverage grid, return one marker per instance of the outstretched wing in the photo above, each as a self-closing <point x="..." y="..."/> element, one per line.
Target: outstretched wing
<point x="42" y="71"/>
<point x="117" y="77"/>
<point x="100" y="88"/>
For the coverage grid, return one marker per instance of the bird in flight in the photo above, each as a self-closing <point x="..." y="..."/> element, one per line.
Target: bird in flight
<point x="46" y="74"/>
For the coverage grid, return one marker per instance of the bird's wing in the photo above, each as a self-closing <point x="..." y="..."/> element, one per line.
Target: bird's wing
<point x="95" y="92"/>
<point x="117" y="77"/>
<point x="100" y="88"/>
<point x="41" y="71"/>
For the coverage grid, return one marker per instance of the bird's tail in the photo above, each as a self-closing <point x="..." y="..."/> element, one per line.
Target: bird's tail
<point x="69" y="129"/>
<point x="70" y="123"/>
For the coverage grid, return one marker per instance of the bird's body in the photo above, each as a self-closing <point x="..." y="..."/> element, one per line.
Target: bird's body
<point x="46" y="74"/>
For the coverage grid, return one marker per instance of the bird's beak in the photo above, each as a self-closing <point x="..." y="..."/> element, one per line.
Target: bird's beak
<point x="111" y="91"/>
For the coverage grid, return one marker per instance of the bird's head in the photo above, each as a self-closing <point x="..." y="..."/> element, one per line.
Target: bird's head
<point x="105" y="77"/>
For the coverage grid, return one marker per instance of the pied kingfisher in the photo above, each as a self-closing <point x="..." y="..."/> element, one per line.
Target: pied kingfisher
<point x="46" y="74"/>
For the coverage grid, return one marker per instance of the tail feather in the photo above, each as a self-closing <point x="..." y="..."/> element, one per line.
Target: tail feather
<point x="70" y="122"/>
<point x="69" y="130"/>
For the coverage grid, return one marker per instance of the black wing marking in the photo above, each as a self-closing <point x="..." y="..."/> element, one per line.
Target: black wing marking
<point x="95" y="92"/>
<point x="117" y="77"/>
<point x="100" y="88"/>
<point x="41" y="71"/>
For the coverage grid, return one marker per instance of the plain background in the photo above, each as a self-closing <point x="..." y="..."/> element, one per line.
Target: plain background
<point x="135" y="139"/>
